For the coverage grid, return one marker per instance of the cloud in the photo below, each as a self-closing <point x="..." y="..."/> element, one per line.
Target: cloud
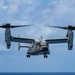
<point x="42" y="31"/>
<point x="56" y="12"/>
<point x="32" y="12"/>
<point x="2" y="47"/>
<point x="39" y="13"/>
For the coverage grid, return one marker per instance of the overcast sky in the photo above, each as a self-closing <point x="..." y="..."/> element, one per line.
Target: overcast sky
<point x="39" y="13"/>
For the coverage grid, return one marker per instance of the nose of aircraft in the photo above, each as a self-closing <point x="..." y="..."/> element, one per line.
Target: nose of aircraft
<point x="45" y="48"/>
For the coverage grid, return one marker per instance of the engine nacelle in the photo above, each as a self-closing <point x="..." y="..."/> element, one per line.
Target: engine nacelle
<point x="7" y="37"/>
<point x="70" y="40"/>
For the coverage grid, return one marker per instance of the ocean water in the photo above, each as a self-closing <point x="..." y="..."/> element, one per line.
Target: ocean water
<point x="38" y="73"/>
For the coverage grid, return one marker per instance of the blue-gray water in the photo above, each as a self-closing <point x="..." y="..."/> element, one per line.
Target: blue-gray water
<point x="54" y="73"/>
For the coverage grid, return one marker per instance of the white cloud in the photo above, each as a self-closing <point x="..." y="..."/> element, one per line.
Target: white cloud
<point x="29" y="2"/>
<point x="33" y="12"/>
<point x="51" y="14"/>
<point x="13" y="6"/>
<point x="38" y="30"/>
<point x="2" y="47"/>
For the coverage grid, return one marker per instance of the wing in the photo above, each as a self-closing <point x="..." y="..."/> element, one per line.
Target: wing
<point x="21" y="40"/>
<point x="53" y="41"/>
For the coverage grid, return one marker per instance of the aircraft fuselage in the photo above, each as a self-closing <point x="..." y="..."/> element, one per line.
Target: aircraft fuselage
<point x="39" y="48"/>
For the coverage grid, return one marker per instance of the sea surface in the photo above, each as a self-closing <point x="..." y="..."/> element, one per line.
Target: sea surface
<point x="39" y="73"/>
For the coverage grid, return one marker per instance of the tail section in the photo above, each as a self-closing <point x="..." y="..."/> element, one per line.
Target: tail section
<point x="19" y="46"/>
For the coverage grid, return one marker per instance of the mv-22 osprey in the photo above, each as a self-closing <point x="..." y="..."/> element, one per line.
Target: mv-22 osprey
<point x="40" y="47"/>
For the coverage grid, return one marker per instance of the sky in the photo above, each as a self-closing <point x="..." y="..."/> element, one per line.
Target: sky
<point x="39" y="13"/>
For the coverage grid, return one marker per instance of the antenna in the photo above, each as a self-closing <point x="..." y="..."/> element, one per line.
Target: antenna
<point x="41" y="38"/>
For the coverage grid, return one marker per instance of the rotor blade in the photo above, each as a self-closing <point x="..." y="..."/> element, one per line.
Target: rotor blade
<point x="12" y="26"/>
<point x="58" y="27"/>
<point x="3" y="26"/>
<point x="71" y="27"/>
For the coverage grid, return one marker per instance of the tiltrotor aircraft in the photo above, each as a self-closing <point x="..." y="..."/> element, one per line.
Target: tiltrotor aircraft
<point x="37" y="47"/>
